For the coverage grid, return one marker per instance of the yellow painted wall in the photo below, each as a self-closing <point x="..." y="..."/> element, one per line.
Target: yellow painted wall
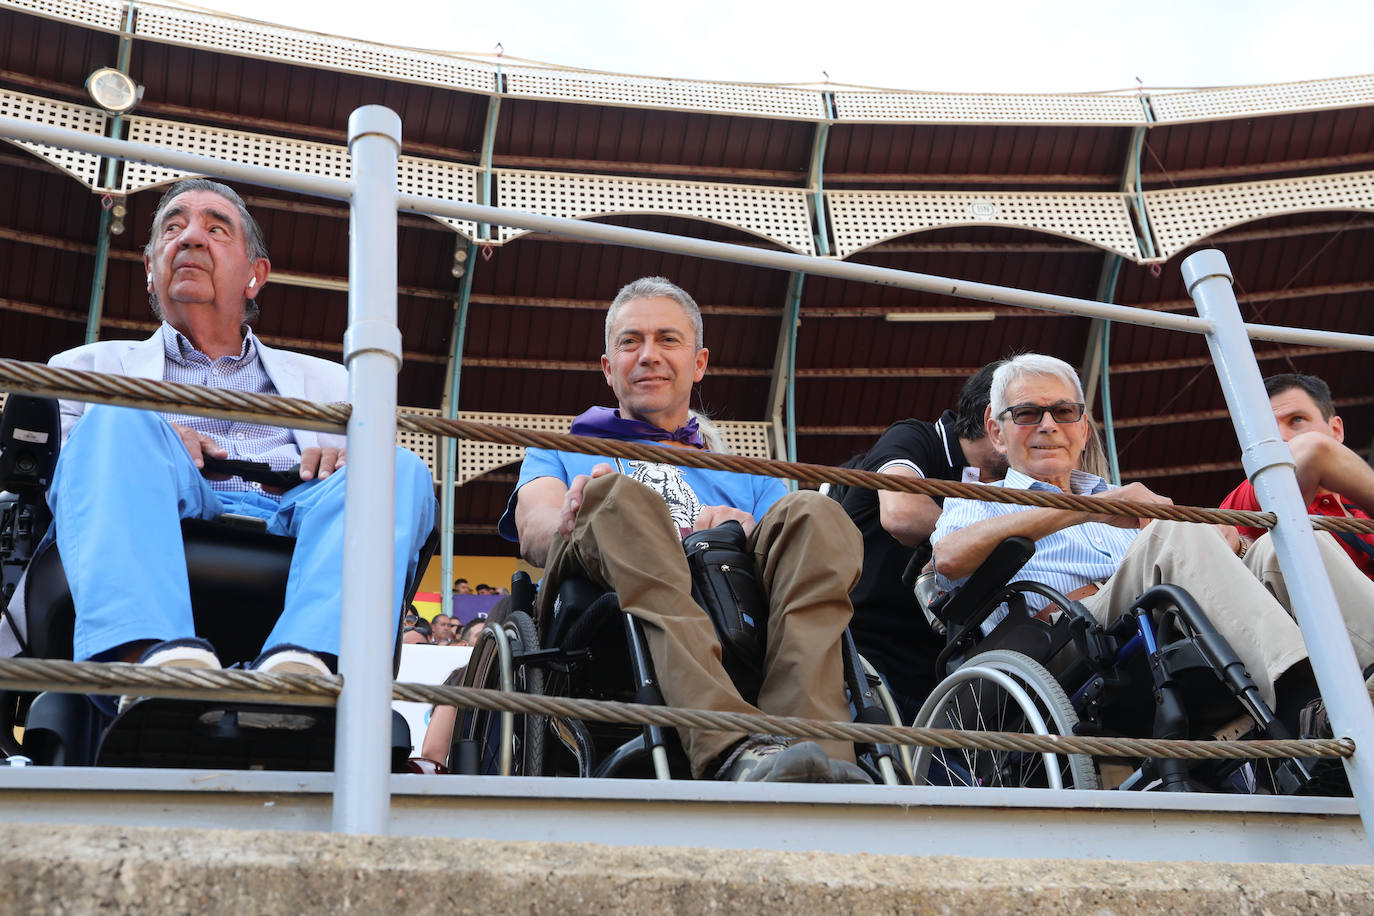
<point x="494" y="571"/>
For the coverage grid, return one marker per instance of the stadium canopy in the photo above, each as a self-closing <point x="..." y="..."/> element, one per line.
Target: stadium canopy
<point x="1088" y="195"/>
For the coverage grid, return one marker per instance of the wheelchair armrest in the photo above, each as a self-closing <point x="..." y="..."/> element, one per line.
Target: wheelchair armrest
<point x="919" y="558"/>
<point x="977" y="597"/>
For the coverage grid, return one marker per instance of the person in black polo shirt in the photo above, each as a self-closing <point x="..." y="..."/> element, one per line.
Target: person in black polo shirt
<point x="888" y="626"/>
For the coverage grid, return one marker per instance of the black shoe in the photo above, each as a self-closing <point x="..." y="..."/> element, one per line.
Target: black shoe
<point x="1327" y="775"/>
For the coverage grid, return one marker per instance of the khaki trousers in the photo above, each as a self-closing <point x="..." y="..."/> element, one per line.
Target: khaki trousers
<point x="807" y="555"/>
<point x="1244" y="599"/>
<point x="1354" y="590"/>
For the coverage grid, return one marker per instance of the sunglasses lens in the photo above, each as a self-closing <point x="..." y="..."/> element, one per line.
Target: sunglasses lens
<point x="1067" y="413"/>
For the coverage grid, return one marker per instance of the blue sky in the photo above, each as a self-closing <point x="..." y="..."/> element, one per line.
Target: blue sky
<point x="993" y="45"/>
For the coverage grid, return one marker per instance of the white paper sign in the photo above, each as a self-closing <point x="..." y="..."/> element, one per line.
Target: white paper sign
<point x="421" y="664"/>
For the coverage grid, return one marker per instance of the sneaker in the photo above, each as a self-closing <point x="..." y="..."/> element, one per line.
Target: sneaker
<point x="289" y="659"/>
<point x="763" y="758"/>
<point x="842" y="771"/>
<point x="1313" y="721"/>
<point x="1328" y="775"/>
<point x="191" y="652"/>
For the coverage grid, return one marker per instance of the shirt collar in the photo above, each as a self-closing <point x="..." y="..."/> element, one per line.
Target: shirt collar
<point x="954" y="452"/>
<point x="178" y="347"/>
<point x="1080" y="482"/>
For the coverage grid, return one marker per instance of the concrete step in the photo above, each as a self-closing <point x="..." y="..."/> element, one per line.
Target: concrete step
<point x="78" y="869"/>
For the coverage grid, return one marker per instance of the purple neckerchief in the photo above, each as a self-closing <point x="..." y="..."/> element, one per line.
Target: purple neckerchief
<point x="607" y="423"/>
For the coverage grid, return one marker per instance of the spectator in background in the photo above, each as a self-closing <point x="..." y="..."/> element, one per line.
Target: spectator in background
<point x="483" y="589"/>
<point x="471" y="631"/>
<point x="443" y="630"/>
<point x="461" y="587"/>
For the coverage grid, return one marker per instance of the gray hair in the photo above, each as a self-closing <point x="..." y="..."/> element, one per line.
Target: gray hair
<point x="1028" y="365"/>
<point x="710" y="432"/>
<point x="253" y="238"/>
<point x="653" y="288"/>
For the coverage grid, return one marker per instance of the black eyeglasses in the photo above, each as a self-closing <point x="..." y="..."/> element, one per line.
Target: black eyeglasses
<point x="1031" y="414"/>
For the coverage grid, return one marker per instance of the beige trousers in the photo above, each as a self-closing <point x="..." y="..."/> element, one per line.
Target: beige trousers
<point x="807" y="554"/>
<point x="1245" y="600"/>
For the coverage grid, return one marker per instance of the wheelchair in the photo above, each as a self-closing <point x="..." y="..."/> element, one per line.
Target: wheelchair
<point x="237" y="572"/>
<point x="592" y="649"/>
<point x="1161" y="670"/>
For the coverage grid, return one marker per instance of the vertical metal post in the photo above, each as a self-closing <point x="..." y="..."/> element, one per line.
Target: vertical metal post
<point x="1269" y="464"/>
<point x="782" y="388"/>
<point x="448" y="446"/>
<point x="96" y="308"/>
<point x="372" y="352"/>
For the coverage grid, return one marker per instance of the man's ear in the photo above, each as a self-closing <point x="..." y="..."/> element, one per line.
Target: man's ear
<point x="261" y="268"/>
<point x="606" y="369"/>
<point x="994" y="430"/>
<point x="148" y="269"/>
<point x="703" y="356"/>
<point x="1337" y="428"/>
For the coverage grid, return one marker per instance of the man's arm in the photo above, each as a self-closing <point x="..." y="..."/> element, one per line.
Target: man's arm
<point x="908" y="517"/>
<point x="547" y="507"/>
<point x="960" y="552"/>
<point x="1325" y="464"/>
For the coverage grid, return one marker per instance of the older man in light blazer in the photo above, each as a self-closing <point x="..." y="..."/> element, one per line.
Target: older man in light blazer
<point x="125" y="478"/>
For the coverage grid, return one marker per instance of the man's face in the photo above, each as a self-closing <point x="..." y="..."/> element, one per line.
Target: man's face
<point x="653" y="361"/>
<point x="463" y="588"/>
<point x="1298" y="413"/>
<point x="1048" y="450"/>
<point x="991" y="463"/>
<point x="475" y="632"/>
<point x="200" y="259"/>
<point x="443" y="628"/>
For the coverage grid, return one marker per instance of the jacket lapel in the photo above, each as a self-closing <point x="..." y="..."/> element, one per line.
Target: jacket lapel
<point x="285" y="374"/>
<point x="289" y="380"/>
<point x="145" y="358"/>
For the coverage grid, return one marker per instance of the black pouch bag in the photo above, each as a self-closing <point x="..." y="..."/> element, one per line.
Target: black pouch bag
<point x="724" y="584"/>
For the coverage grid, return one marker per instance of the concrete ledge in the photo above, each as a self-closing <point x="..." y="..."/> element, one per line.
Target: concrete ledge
<point x="88" y="869"/>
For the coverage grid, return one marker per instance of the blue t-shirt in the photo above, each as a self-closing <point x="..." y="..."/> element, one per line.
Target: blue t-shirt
<point x="685" y="490"/>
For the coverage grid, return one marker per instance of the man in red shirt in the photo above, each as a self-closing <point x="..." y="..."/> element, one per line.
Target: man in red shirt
<point x="1334" y="480"/>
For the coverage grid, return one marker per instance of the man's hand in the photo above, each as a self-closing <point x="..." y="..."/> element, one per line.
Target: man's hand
<point x="199" y="445"/>
<point x="1231" y="535"/>
<point x="321" y="462"/>
<point x="711" y="516"/>
<point x="572" y="500"/>
<point x="1135" y="492"/>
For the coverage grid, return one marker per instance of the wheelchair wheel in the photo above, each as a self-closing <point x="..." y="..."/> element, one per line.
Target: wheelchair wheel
<point x="484" y="727"/>
<point x="1001" y="691"/>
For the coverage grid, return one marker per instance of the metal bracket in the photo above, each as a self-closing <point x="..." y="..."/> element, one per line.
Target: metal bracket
<point x="379" y="336"/>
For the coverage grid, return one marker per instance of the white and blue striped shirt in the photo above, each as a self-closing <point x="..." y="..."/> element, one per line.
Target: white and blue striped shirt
<point x="245" y="372"/>
<point x="1065" y="560"/>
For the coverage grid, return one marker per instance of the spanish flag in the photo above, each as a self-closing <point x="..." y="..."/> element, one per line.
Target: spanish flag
<point x="429" y="604"/>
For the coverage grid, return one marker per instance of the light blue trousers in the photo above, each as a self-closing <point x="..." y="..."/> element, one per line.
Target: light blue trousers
<point x="123" y="483"/>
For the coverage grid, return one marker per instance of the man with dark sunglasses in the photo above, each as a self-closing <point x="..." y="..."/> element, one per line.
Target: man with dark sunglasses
<point x="1036" y="416"/>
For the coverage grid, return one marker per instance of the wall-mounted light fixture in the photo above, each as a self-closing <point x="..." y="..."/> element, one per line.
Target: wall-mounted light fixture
<point x="113" y="91"/>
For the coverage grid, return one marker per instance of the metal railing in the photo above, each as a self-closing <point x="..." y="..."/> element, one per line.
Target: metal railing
<point x="372" y="353"/>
